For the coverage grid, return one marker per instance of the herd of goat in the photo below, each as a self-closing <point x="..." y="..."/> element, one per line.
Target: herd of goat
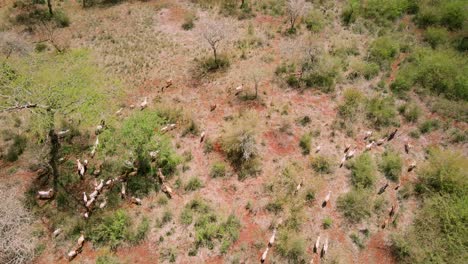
<point x="89" y="200"/>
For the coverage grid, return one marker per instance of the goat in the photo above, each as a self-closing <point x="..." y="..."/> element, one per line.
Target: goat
<point x="384" y="224"/>
<point x="239" y="89"/>
<point x="57" y="232"/>
<point x="392" y="135"/>
<point x="81" y="167"/>
<point x="144" y="104"/>
<point x="86" y="215"/>
<point x="368" y="134"/>
<point x="264" y="255"/>
<point x="85" y="198"/>
<point x="161" y="175"/>
<point x="212" y="107"/>
<point x="407" y="147"/>
<point x="123" y="191"/>
<point x="90" y="202"/>
<point x="324" y="249"/>
<point x="393" y="210"/>
<point x="100" y="127"/>
<point x="370" y="145"/>
<point x="299" y="186"/>
<point x="383" y="188"/>
<point x="412" y="166"/>
<point x="380" y="142"/>
<point x="350" y="154"/>
<point x="318" y="148"/>
<point x="168" y="190"/>
<point x="119" y="112"/>
<point x="45" y="194"/>
<point x="168" y="83"/>
<point x="63" y="133"/>
<point x="317" y="244"/>
<point x="202" y="137"/>
<point x="72" y="254"/>
<point x="100" y="186"/>
<point x="347" y="147"/>
<point x="94" y="194"/>
<point x="136" y="201"/>
<point x="93" y="150"/>
<point x="327" y="198"/>
<point x="398" y="186"/>
<point x="342" y="161"/>
<point x="81" y="240"/>
<point x="153" y="154"/>
<point x="103" y="204"/>
<point x="272" y="238"/>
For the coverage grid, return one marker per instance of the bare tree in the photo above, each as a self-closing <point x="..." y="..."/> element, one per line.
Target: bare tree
<point x="11" y="43"/>
<point x="17" y="242"/>
<point x="214" y="32"/>
<point x="295" y="9"/>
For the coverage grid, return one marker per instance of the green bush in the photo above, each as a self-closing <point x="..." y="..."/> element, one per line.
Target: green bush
<point x="314" y="21"/>
<point x="383" y="49"/>
<point x="40" y="47"/>
<point x="210" y="64"/>
<point x="16" y="149"/>
<point x="218" y="170"/>
<point x="381" y="12"/>
<point x="292" y="246"/>
<point x="355" y="205"/>
<point x="352" y="101"/>
<point x="391" y="165"/>
<point x="141" y="232"/>
<point x="458" y="136"/>
<point x="304" y="143"/>
<point x="327" y="223"/>
<point x="321" y="164"/>
<point x="193" y="184"/>
<point x="107" y="259"/>
<point x="368" y="70"/>
<point x="189" y="22"/>
<point x="429" y="126"/>
<point x="363" y="171"/>
<point x="436" y="36"/>
<point x="61" y="19"/>
<point x="411" y="112"/>
<point x="381" y="111"/>
<point x="112" y="231"/>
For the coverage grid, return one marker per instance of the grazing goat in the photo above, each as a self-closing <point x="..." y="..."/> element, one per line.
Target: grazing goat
<point x="392" y="135"/>
<point x="166" y="189"/>
<point x="317" y="244"/>
<point x="136" y="201"/>
<point x="62" y="133"/>
<point x="100" y="127"/>
<point x="90" y="202"/>
<point x="45" y="194"/>
<point x="94" y="194"/>
<point x="383" y="188"/>
<point x="299" y="186"/>
<point x="103" y="204"/>
<point x="93" y="150"/>
<point x="407" y="147"/>
<point x="202" y="137"/>
<point x="81" y="240"/>
<point x="327" y="198"/>
<point x="370" y="145"/>
<point x="81" y="167"/>
<point x="144" y="104"/>
<point x="385" y="223"/>
<point x="264" y="255"/>
<point x="347" y="147"/>
<point x="213" y="107"/>
<point x="350" y="154"/>
<point x="72" y="254"/>
<point x="239" y="89"/>
<point x="318" y="148"/>
<point x="412" y="166"/>
<point x="324" y="249"/>
<point x="380" y="142"/>
<point x="368" y="135"/>
<point x="100" y="186"/>
<point x="272" y="238"/>
<point x="123" y="191"/>
<point x="85" y="198"/>
<point x="119" y="112"/>
<point x="57" y="232"/>
<point x="342" y="161"/>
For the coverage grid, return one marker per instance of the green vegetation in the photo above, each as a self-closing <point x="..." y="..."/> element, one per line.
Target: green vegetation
<point x="381" y="111"/>
<point x="113" y="231"/>
<point x="383" y="50"/>
<point x="355" y="205"/>
<point x="292" y="245"/>
<point x="410" y="112"/>
<point x="321" y="164"/>
<point x="210" y="64"/>
<point x="16" y="148"/>
<point x="429" y="126"/>
<point x="239" y="143"/>
<point x="314" y="21"/>
<point x="327" y="223"/>
<point x="363" y="171"/>
<point x="218" y="170"/>
<point x="208" y="228"/>
<point x="193" y="184"/>
<point x="391" y="164"/>
<point x="352" y="102"/>
<point x="382" y="12"/>
<point x="436" y="36"/>
<point x="444" y="13"/>
<point x="304" y="143"/>
<point x="438" y="233"/>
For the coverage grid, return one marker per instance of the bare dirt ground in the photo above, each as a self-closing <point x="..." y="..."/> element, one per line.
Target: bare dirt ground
<point x="163" y="50"/>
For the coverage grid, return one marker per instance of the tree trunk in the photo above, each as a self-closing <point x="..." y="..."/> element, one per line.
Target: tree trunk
<point x="242" y="4"/>
<point x="215" y="54"/>
<point x="49" y="5"/>
<point x="54" y="151"/>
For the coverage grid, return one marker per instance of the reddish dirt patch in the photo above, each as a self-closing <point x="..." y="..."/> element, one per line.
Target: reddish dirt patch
<point x="376" y="251"/>
<point x="395" y="67"/>
<point x="280" y="143"/>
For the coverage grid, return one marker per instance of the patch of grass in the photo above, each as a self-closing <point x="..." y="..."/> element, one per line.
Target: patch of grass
<point x="363" y="171"/>
<point x="353" y="99"/>
<point x="16" y="148"/>
<point x="314" y="21"/>
<point x="383" y="50"/>
<point x="429" y="126"/>
<point x="357" y="240"/>
<point x="391" y="165"/>
<point x="304" y="143"/>
<point x="355" y="205"/>
<point x="458" y="136"/>
<point x="218" y="170"/>
<point x="141" y="232"/>
<point x="292" y="246"/>
<point x="381" y="111"/>
<point x="327" y="223"/>
<point x="193" y="184"/>
<point x="436" y="36"/>
<point x="321" y="164"/>
<point x="210" y="64"/>
<point x="410" y="112"/>
<point x="112" y="231"/>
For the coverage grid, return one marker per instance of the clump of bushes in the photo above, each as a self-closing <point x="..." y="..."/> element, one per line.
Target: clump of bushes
<point x="436" y="36"/>
<point x="218" y="170"/>
<point x="193" y="184"/>
<point x="352" y="101"/>
<point x="112" y="231"/>
<point x="292" y="246"/>
<point x="437" y="233"/>
<point x="355" y="205"/>
<point x="327" y="223"/>
<point x="360" y="68"/>
<point x="189" y="21"/>
<point x="210" y="64"/>
<point x="363" y="171"/>
<point x="304" y="143"/>
<point x="16" y="148"/>
<point x="314" y="21"/>
<point x="321" y="164"/>
<point x="429" y="126"/>
<point x="445" y="13"/>
<point x="391" y="164"/>
<point x="239" y="143"/>
<point x="381" y="111"/>
<point x="410" y="112"/>
<point x="383" y="50"/>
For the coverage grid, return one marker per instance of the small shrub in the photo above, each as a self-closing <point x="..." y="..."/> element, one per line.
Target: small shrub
<point x="357" y="240"/>
<point x="304" y="143"/>
<point x="218" y="170"/>
<point x="355" y="205"/>
<point x="61" y="19"/>
<point x="429" y="126"/>
<point x="40" y="47"/>
<point x="141" y="232"/>
<point x="321" y="164"/>
<point x="391" y="165"/>
<point x="209" y="64"/>
<point x="292" y="246"/>
<point x="314" y="21"/>
<point x="193" y="184"/>
<point x="16" y="149"/>
<point x="352" y="101"/>
<point x="436" y="36"/>
<point x="381" y="111"/>
<point x="363" y="171"/>
<point x="310" y="195"/>
<point x="189" y="22"/>
<point x="112" y="231"/>
<point x="458" y="136"/>
<point x="383" y="50"/>
<point x="327" y="223"/>
<point x="411" y="112"/>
